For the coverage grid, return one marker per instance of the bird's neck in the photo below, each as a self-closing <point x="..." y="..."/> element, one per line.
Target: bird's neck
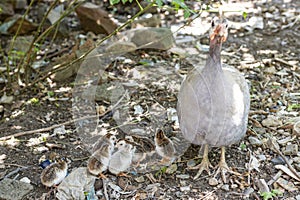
<point x="215" y="52"/>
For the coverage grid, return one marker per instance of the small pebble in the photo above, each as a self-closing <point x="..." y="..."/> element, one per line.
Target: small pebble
<point x="213" y="182"/>
<point x="185" y="188"/>
<point x="183" y="176"/>
<point x="254" y="141"/>
<point x="291" y="149"/>
<point x="248" y="191"/>
<point x="225" y="187"/>
<point x="25" y="180"/>
<point x="140" y="179"/>
<point x="262" y="157"/>
<point x="191" y="163"/>
<point x="233" y="186"/>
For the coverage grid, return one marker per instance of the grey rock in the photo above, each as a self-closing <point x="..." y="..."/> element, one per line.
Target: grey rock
<point x="155" y="38"/>
<point x="262" y="185"/>
<point x="278" y="160"/>
<point x="271" y="121"/>
<point x="254" y="141"/>
<point x="262" y="157"/>
<point x="225" y="187"/>
<point x="213" y="182"/>
<point x="291" y="149"/>
<point x="248" y="191"/>
<point x="185" y="188"/>
<point x="14" y="190"/>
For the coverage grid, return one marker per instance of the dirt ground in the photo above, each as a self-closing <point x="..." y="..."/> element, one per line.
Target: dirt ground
<point x="270" y="95"/>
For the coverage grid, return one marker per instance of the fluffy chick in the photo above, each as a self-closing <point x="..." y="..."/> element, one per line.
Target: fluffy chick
<point x="121" y="159"/>
<point x="100" y="159"/>
<point x="105" y="139"/>
<point x="142" y="146"/>
<point x="164" y="147"/>
<point x="54" y="173"/>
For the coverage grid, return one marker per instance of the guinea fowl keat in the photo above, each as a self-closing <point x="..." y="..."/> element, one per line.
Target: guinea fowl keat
<point x="213" y="103"/>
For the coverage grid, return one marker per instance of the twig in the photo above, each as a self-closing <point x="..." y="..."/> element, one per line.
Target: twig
<point x="64" y="123"/>
<point x="285" y="63"/>
<point x="285" y="159"/>
<point x="15" y="171"/>
<point x="105" y="189"/>
<point x="12" y="164"/>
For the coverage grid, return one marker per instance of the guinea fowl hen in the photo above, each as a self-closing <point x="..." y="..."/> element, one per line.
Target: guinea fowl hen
<point x="213" y="103"/>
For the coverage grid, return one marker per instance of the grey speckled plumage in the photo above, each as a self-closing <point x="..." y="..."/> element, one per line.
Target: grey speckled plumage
<point x="213" y="103"/>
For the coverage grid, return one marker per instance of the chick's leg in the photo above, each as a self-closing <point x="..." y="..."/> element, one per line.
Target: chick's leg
<point x="204" y="165"/>
<point x="223" y="167"/>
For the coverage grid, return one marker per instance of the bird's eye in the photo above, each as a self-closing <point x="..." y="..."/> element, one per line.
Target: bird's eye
<point x="213" y="23"/>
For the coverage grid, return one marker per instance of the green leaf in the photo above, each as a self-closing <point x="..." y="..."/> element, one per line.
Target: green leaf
<point x="186" y="14"/>
<point x="267" y="195"/>
<point x="50" y="93"/>
<point x="124" y="1"/>
<point x="34" y="100"/>
<point x="293" y="107"/>
<point x="245" y="15"/>
<point x="243" y="146"/>
<point x="159" y="3"/>
<point x="113" y="2"/>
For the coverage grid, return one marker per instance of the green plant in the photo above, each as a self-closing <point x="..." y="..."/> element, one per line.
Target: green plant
<point x="34" y="101"/>
<point x="161" y="171"/>
<point x="270" y="195"/>
<point x="243" y="146"/>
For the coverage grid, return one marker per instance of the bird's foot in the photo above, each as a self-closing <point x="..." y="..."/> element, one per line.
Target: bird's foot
<point x="203" y="166"/>
<point x="223" y="169"/>
<point x="102" y="176"/>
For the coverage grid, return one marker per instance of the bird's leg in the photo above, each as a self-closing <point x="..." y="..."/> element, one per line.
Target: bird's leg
<point x="102" y="176"/>
<point x="223" y="167"/>
<point x="204" y="165"/>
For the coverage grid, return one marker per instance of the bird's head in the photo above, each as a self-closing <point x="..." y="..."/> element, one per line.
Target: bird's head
<point x="219" y="30"/>
<point x="111" y="137"/>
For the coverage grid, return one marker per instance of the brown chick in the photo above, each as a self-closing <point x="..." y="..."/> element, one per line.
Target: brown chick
<point x="106" y="139"/>
<point x="100" y="159"/>
<point x="164" y="147"/>
<point x="142" y="147"/>
<point x="54" y="173"/>
<point x="121" y="160"/>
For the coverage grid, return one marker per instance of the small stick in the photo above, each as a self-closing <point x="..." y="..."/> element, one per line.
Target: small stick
<point x="15" y="171"/>
<point x="105" y="189"/>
